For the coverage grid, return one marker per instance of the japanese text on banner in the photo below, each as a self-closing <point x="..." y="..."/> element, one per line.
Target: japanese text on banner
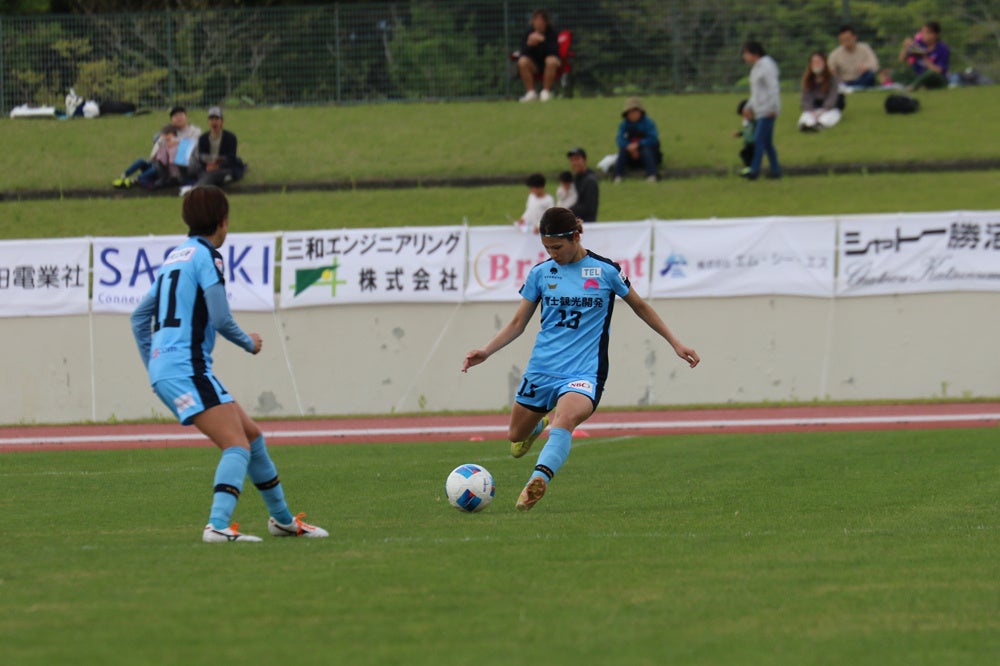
<point x="417" y="264"/>
<point x="898" y="254"/>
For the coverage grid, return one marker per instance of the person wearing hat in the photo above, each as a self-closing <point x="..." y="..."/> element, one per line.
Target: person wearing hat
<point x="587" y="187"/>
<point x="638" y="141"/>
<point x="217" y="162"/>
<point x="146" y="167"/>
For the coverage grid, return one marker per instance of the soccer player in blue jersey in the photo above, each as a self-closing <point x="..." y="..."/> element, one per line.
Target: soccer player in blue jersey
<point x="175" y="326"/>
<point x="569" y="362"/>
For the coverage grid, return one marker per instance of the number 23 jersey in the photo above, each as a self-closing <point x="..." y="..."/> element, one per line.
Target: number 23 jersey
<point x="576" y="302"/>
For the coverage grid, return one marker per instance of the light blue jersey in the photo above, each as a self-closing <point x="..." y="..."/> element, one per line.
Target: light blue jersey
<point x="576" y="305"/>
<point x="183" y="334"/>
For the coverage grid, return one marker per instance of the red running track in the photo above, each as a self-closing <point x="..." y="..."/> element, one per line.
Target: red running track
<point x="494" y="426"/>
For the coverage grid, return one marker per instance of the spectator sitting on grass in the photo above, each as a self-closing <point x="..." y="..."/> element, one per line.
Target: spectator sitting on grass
<point x="638" y="141"/>
<point x="854" y="63"/>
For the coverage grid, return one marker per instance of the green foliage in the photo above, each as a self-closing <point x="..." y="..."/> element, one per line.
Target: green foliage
<point x="363" y="51"/>
<point x="431" y="56"/>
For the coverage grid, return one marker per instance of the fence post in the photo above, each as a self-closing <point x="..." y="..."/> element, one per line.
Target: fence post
<point x="171" y="78"/>
<point x="3" y="67"/>
<point x="336" y="46"/>
<point x="506" y="39"/>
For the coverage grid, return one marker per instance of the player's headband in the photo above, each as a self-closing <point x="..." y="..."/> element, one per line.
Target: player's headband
<point x="565" y="234"/>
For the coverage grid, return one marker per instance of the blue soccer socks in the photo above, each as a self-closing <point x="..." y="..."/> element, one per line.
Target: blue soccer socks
<point x="229" y="476"/>
<point x="264" y="475"/>
<point x="553" y="454"/>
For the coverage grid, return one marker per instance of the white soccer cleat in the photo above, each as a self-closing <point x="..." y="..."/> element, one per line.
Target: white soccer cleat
<point x="231" y="533"/>
<point x="297" y="528"/>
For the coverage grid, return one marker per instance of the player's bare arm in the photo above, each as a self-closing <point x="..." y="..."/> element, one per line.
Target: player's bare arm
<point x="514" y="328"/>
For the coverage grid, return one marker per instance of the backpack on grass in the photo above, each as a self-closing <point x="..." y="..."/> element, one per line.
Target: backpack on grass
<point x="901" y="104"/>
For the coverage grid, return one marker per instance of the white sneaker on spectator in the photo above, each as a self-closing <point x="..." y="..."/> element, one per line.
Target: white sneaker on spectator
<point x="529" y="96"/>
<point x="545" y="96"/>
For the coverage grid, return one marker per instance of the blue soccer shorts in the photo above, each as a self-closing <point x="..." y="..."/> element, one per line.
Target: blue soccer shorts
<point x="189" y="396"/>
<point x="539" y="392"/>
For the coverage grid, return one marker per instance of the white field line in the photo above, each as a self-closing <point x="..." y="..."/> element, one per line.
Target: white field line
<point x="500" y="430"/>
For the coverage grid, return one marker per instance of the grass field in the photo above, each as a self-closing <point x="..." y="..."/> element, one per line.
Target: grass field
<point x="286" y="145"/>
<point x="467" y="138"/>
<point x="834" y="548"/>
<point x="698" y="198"/>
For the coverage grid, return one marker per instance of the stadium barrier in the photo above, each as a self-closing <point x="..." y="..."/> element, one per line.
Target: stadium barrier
<point x="908" y="311"/>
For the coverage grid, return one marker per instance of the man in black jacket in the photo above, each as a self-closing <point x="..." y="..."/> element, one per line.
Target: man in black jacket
<point x="216" y="159"/>
<point x="587" y="188"/>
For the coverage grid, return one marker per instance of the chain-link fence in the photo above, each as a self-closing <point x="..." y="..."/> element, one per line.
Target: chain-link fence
<point x="416" y="50"/>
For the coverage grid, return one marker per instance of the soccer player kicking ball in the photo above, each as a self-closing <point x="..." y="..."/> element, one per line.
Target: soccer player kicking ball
<point x="175" y="326"/>
<point x="569" y="362"/>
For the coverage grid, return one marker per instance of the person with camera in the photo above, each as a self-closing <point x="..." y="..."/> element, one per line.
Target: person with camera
<point x="927" y="57"/>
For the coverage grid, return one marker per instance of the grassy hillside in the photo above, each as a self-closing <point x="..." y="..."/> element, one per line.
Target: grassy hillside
<point x="287" y="145"/>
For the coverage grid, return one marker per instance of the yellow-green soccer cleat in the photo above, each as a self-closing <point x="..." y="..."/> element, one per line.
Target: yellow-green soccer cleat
<point x="518" y="449"/>
<point x="531" y="494"/>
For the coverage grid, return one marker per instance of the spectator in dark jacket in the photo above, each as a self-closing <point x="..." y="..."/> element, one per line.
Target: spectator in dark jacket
<point x="638" y="141"/>
<point x="217" y="162"/>
<point x="587" y="188"/>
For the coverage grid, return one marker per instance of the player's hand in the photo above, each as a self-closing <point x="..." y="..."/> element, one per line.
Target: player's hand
<point x="474" y="357"/>
<point x="257" y="343"/>
<point x="689" y="355"/>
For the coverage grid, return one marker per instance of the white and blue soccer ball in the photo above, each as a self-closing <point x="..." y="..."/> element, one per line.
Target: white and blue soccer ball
<point x="470" y="488"/>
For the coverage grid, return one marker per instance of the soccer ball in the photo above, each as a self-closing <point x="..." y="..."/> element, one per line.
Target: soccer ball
<point x="469" y="488"/>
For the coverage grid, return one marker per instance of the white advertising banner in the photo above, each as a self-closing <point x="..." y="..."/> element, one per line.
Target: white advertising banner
<point x="501" y="257"/>
<point x="124" y="270"/>
<point x="44" y="277"/>
<point x="400" y="265"/>
<point x="922" y="252"/>
<point x="743" y="257"/>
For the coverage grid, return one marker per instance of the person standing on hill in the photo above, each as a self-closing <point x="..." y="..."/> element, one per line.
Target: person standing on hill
<point x="763" y="107"/>
<point x="588" y="190"/>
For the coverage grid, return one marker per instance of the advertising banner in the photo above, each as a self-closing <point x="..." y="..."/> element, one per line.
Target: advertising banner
<point x="124" y="270"/>
<point x="44" y="277"/>
<point x="921" y="252"/>
<point x="501" y="257"/>
<point x="743" y="257"/>
<point x="399" y="265"/>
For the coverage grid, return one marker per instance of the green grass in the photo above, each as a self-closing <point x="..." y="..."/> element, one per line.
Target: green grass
<point x="292" y="145"/>
<point x="697" y="198"/>
<point x="862" y="548"/>
<point x="287" y="145"/>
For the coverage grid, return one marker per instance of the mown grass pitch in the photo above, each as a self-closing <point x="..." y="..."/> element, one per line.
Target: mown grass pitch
<point x="862" y="548"/>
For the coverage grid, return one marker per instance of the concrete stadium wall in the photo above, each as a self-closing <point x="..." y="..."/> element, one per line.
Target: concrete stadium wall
<point x="373" y="359"/>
